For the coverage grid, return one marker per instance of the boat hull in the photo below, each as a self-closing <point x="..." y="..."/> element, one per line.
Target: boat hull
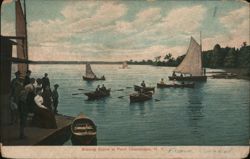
<point x="225" y="76"/>
<point x="92" y="79"/>
<point x="98" y="95"/>
<point x="140" y="97"/>
<point x="83" y="136"/>
<point x="144" y="89"/>
<point x="188" y="78"/>
<point x="187" y="85"/>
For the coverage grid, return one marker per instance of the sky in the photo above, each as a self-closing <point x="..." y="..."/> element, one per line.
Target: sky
<point x="119" y="30"/>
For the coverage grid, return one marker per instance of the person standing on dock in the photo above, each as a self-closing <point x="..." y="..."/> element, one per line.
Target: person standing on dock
<point x="43" y="117"/>
<point x="55" y="97"/>
<point x="47" y="98"/>
<point x="27" y="79"/>
<point x="39" y="83"/>
<point x="45" y="81"/>
<point x="16" y="86"/>
<point x="23" y="111"/>
<point x="30" y="88"/>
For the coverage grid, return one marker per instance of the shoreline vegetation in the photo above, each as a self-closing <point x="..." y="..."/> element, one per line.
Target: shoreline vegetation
<point x="230" y="59"/>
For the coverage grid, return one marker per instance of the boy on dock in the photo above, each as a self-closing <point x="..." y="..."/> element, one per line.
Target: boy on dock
<point x="55" y="97"/>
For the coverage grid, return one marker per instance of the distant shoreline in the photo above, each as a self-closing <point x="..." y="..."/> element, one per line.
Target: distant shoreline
<point x="74" y="62"/>
<point x="241" y="72"/>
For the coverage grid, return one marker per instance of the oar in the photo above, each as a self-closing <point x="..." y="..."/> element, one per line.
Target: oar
<point x="157" y="100"/>
<point x="128" y="87"/>
<point x="77" y="93"/>
<point x="122" y="96"/>
<point x="80" y="89"/>
<point x="118" y="90"/>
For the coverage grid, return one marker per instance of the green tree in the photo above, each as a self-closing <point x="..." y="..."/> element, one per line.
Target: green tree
<point x="218" y="56"/>
<point x="231" y="58"/>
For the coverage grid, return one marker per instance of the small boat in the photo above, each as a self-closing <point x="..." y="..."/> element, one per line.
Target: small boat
<point x="140" y="97"/>
<point x="90" y="76"/>
<point x="187" y="85"/>
<point x="93" y="79"/>
<point x="144" y="89"/>
<point x="83" y="131"/>
<point x="225" y="75"/>
<point x="191" y="65"/>
<point x="98" y="94"/>
<point x="124" y="65"/>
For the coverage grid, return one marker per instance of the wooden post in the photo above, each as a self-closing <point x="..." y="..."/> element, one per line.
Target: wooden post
<point x="5" y="74"/>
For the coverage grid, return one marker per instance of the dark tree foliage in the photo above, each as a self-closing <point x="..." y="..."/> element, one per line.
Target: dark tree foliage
<point x="216" y="58"/>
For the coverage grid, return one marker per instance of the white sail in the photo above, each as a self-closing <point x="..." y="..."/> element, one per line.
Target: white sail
<point x="89" y="72"/>
<point x="21" y="43"/>
<point x="125" y="65"/>
<point x="192" y="63"/>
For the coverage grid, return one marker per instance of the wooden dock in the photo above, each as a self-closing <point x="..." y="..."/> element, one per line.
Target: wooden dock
<point x="39" y="136"/>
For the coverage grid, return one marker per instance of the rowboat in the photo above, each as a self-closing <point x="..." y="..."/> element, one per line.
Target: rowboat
<point x="187" y="85"/>
<point x="83" y="131"/>
<point x="93" y="79"/>
<point x="98" y="94"/>
<point x="140" y="97"/>
<point x="225" y="75"/>
<point x="143" y="89"/>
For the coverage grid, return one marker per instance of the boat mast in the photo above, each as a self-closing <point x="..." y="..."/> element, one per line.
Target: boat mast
<point x="202" y="69"/>
<point x="200" y="41"/>
<point x="26" y="34"/>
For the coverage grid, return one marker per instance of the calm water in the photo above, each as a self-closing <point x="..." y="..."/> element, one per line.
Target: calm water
<point x="213" y="113"/>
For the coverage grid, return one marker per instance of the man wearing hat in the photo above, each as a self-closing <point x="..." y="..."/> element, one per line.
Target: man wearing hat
<point x="27" y="78"/>
<point x="55" y="97"/>
<point x="16" y="87"/>
<point x="45" y="81"/>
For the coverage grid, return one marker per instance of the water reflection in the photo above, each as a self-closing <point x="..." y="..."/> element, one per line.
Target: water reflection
<point x="133" y="107"/>
<point x="195" y="109"/>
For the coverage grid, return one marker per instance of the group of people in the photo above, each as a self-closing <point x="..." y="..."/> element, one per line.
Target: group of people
<point x="33" y="96"/>
<point x="100" y="89"/>
<point x="174" y="75"/>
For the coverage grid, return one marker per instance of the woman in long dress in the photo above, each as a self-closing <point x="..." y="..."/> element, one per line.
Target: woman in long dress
<point x="43" y="116"/>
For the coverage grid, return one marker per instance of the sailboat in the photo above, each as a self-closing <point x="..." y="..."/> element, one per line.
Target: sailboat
<point x="124" y="65"/>
<point x="190" y="68"/>
<point x="90" y="75"/>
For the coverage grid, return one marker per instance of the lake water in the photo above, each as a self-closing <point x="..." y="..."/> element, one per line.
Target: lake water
<point x="215" y="112"/>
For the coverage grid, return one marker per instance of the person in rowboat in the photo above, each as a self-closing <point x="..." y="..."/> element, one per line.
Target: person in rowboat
<point x="98" y="88"/>
<point x="103" y="88"/>
<point x="162" y="81"/>
<point x="143" y="84"/>
<point x="174" y="74"/>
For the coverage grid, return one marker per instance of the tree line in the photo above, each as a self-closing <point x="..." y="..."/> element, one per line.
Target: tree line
<point x="219" y="57"/>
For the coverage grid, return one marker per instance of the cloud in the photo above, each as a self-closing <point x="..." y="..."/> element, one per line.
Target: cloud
<point x="179" y="23"/>
<point x="7" y="1"/>
<point x="8" y="28"/>
<point x="185" y="19"/>
<point x="236" y="24"/>
<point x="143" y="19"/>
<point x="124" y="27"/>
<point x="77" y="19"/>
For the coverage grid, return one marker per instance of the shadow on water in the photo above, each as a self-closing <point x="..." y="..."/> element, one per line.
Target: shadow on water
<point x="195" y="109"/>
<point x="134" y="107"/>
